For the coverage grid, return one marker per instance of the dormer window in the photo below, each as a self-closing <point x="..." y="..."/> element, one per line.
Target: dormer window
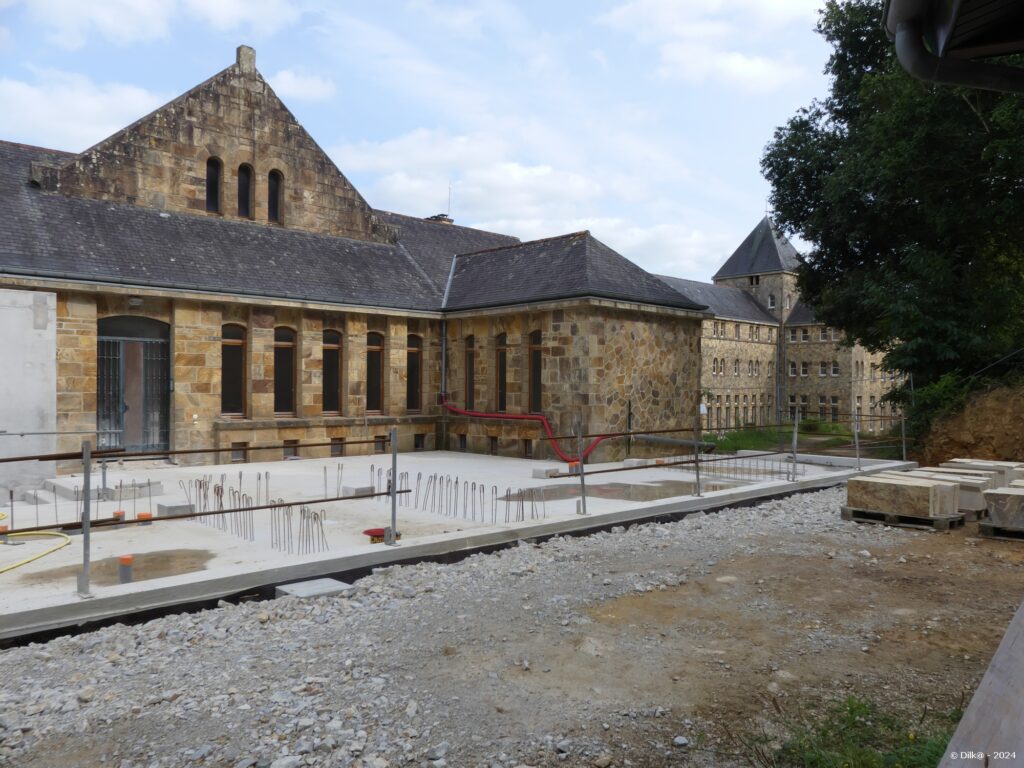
<point x="214" y="167"/>
<point x="275" y="196"/>
<point x="245" y="190"/>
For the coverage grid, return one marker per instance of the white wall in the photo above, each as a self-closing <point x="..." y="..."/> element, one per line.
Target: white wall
<point x="28" y="383"/>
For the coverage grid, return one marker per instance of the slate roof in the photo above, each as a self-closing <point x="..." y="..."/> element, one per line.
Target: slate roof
<point x="763" y="251"/>
<point x="68" y="238"/>
<point x="569" y="266"/>
<point x="51" y="235"/>
<point x="802" y="314"/>
<point x="434" y="244"/>
<point x="724" y="301"/>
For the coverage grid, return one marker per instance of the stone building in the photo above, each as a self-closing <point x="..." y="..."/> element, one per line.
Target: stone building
<point x="206" y="277"/>
<point x="765" y="358"/>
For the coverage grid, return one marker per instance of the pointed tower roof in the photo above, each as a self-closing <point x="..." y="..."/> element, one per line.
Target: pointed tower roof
<point x="764" y="250"/>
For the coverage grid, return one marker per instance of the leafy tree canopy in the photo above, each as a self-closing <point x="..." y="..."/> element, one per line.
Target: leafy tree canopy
<point x="912" y="198"/>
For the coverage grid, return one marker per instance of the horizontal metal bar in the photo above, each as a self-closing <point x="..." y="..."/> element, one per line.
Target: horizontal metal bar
<point x="100" y="454"/>
<point x="109" y="522"/>
<point x="703" y="462"/>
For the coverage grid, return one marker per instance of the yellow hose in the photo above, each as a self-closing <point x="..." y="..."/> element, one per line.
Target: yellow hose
<point x="65" y="540"/>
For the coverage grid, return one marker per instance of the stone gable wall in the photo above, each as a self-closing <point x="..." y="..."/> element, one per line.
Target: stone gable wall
<point x="160" y="161"/>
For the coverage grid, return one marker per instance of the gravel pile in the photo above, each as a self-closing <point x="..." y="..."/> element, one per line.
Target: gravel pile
<point x="415" y="668"/>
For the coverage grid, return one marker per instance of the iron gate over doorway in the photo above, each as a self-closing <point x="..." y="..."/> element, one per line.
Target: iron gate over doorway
<point x="133" y="384"/>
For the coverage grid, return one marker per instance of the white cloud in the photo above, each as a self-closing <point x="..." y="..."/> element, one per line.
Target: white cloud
<point x="62" y="110"/>
<point x="736" y="43"/>
<point x="300" y="86"/>
<point x="700" y="63"/>
<point x="121" y="21"/>
<point x="72" y="22"/>
<point x="262" y="17"/>
<point x="460" y="21"/>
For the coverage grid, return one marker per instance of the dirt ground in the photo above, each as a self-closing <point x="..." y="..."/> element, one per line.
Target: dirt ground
<point x="923" y="633"/>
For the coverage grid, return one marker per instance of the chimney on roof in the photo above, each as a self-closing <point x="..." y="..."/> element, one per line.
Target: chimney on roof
<point x="245" y="58"/>
<point x="441" y="218"/>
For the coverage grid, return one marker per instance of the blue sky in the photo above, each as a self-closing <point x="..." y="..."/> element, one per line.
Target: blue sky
<point x="641" y="120"/>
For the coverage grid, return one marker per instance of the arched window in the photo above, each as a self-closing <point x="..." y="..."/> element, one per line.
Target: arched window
<point x="414" y="373"/>
<point x="470" y="372"/>
<point x="284" y="371"/>
<point x="736" y="367"/>
<point x="501" y="372"/>
<point x="214" y="167"/>
<point x="275" y="196"/>
<point x="245" y="190"/>
<point x="374" y="372"/>
<point x="332" y="372"/>
<point x="536" y="377"/>
<point x="232" y="370"/>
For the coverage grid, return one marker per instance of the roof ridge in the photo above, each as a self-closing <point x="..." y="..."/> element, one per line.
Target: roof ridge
<point x="453" y="225"/>
<point x="525" y="242"/>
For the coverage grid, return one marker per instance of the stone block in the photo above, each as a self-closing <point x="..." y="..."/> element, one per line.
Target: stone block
<point x="315" y="588"/>
<point x="1006" y="507"/>
<point x="971" y="487"/>
<point x="165" y="510"/>
<point x="1011" y="470"/>
<point x="915" y="497"/>
<point x="542" y="473"/>
<point x="356" y="490"/>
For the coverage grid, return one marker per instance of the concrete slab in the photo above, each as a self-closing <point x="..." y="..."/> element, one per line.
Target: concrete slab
<point x="315" y="588"/>
<point x="204" y="560"/>
<point x="543" y="473"/>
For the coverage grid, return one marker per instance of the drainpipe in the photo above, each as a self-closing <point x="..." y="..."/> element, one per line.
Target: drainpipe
<point x="924" y="65"/>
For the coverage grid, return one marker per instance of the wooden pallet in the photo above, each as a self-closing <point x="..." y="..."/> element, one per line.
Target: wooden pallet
<point x="990" y="531"/>
<point x="902" y="521"/>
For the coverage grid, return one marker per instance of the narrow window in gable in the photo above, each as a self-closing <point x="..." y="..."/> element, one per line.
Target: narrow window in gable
<point x="245" y="189"/>
<point x="213" y="175"/>
<point x="275" y="196"/>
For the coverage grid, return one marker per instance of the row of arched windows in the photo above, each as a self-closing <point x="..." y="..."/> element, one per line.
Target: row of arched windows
<point x="234" y="376"/>
<point x="534" y="375"/>
<point x="246" y="191"/>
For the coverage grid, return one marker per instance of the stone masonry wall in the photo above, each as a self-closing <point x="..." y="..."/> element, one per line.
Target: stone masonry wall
<point x="599" y="364"/>
<point x="160" y="160"/>
<point x="744" y="395"/>
<point x="76" y="373"/>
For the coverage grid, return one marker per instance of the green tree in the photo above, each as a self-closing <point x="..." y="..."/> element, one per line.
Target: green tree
<point x="912" y="198"/>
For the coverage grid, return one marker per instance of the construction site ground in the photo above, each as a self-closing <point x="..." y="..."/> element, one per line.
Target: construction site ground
<point x="607" y="650"/>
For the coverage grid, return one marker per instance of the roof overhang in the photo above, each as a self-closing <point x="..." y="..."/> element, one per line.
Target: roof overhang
<point x="946" y="41"/>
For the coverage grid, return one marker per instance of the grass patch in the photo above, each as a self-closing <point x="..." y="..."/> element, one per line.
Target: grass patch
<point x="856" y="734"/>
<point x="749" y="440"/>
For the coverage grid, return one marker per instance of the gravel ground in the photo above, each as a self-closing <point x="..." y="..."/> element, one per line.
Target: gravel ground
<point x="641" y="647"/>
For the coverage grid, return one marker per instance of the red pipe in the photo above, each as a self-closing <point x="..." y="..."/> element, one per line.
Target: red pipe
<point x="525" y="417"/>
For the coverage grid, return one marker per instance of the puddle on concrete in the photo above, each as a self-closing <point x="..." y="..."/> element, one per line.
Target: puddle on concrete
<point x="662" y="489"/>
<point x="148" y="565"/>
